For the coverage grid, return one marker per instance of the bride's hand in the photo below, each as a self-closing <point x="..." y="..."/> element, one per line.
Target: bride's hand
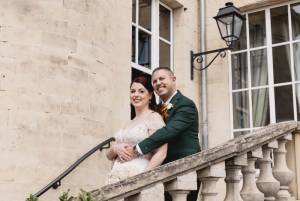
<point x="123" y="151"/>
<point x="129" y="148"/>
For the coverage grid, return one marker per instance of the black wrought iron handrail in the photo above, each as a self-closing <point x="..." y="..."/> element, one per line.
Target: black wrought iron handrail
<point x="57" y="181"/>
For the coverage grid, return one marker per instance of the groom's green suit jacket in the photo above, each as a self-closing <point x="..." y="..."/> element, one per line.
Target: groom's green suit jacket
<point x="180" y="132"/>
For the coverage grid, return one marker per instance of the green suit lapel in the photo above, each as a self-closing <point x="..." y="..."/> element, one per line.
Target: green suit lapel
<point x="174" y="101"/>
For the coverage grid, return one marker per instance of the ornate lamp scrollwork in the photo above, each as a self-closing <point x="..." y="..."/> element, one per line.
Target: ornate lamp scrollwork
<point x="198" y="58"/>
<point x="230" y="22"/>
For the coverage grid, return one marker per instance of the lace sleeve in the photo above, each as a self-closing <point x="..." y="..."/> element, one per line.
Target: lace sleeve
<point x="154" y="122"/>
<point x="118" y="136"/>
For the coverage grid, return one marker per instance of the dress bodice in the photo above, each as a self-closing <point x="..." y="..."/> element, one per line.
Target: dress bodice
<point x="132" y="135"/>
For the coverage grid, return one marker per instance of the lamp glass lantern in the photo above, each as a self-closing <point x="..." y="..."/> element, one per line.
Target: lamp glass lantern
<point x="229" y="21"/>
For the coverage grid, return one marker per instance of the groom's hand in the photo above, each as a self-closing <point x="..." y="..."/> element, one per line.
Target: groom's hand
<point x="123" y="151"/>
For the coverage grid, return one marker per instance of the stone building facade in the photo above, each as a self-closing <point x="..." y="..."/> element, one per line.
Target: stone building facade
<point x="66" y="66"/>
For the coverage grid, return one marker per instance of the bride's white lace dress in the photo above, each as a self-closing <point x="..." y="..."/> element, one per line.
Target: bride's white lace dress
<point x="132" y="135"/>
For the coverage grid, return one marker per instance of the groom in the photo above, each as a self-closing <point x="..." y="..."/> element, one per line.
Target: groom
<point x="181" y="117"/>
<point x="181" y="130"/>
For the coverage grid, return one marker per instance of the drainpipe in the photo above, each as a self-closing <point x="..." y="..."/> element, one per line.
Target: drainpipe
<point x="204" y="123"/>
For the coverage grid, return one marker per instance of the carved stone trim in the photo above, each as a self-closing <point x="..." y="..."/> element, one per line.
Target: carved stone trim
<point x="262" y="4"/>
<point x="173" y="3"/>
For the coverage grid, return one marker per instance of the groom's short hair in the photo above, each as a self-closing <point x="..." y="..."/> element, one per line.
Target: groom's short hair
<point x="163" y="68"/>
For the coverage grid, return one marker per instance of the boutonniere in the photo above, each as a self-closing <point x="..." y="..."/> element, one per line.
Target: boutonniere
<point x="169" y="106"/>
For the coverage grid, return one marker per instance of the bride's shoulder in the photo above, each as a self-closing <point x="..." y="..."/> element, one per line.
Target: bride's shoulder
<point x="154" y="121"/>
<point x="155" y="116"/>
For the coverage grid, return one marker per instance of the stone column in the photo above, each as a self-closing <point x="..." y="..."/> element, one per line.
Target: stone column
<point x="297" y="168"/>
<point x="266" y="183"/>
<point x="249" y="190"/>
<point x="209" y="177"/>
<point x="181" y="186"/>
<point x="179" y="195"/>
<point x="154" y="193"/>
<point x="233" y="168"/>
<point x="281" y="171"/>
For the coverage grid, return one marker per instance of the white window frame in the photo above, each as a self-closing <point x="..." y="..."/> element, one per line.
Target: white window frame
<point x="270" y="86"/>
<point x="155" y="38"/>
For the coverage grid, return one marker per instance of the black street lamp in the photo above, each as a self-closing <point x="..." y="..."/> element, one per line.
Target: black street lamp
<point x="229" y="21"/>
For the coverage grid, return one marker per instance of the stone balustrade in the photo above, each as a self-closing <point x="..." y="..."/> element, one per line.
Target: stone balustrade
<point x="264" y="148"/>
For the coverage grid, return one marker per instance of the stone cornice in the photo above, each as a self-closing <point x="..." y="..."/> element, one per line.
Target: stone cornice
<point x="198" y="161"/>
<point x="262" y="4"/>
<point x="173" y="3"/>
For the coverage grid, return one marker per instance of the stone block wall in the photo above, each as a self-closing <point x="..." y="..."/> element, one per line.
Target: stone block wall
<point x="64" y="78"/>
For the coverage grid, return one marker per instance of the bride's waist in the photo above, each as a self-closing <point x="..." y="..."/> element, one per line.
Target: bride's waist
<point x="136" y="163"/>
<point x="142" y="157"/>
<point x="146" y="157"/>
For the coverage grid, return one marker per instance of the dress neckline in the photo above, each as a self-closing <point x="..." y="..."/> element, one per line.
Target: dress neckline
<point x="137" y="121"/>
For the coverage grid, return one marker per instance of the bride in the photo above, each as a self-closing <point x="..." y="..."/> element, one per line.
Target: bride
<point x="143" y="125"/>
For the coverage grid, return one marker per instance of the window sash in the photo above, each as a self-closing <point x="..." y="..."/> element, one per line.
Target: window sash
<point x="155" y="37"/>
<point x="270" y="86"/>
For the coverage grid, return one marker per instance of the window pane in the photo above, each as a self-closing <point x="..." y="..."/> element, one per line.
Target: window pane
<point x="259" y="67"/>
<point x="239" y="71"/>
<point x="145" y="14"/>
<point x="297" y="60"/>
<point x="240" y="110"/>
<point x="164" y="54"/>
<point x="242" y="42"/>
<point x="257" y="29"/>
<point x="279" y="24"/>
<point x="281" y="64"/>
<point x="297" y="88"/>
<point x="144" y="49"/>
<point x="133" y="10"/>
<point x="164" y="22"/>
<point x="284" y="103"/>
<point x="133" y="44"/>
<point x="238" y="25"/>
<point x="226" y="28"/>
<point x="260" y="107"/>
<point x="295" y="12"/>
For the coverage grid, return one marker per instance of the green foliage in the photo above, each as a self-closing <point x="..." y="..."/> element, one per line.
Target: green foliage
<point x="82" y="196"/>
<point x="32" y="198"/>
<point x="85" y="196"/>
<point x="65" y="197"/>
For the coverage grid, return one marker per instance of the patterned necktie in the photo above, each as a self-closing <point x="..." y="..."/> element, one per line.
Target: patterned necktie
<point x="164" y="111"/>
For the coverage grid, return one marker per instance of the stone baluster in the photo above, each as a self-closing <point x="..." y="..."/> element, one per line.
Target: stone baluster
<point x="294" y="157"/>
<point x="233" y="167"/>
<point x="266" y="182"/>
<point x="155" y="192"/>
<point x="181" y="186"/>
<point x="209" y="177"/>
<point x="249" y="190"/>
<point x="281" y="171"/>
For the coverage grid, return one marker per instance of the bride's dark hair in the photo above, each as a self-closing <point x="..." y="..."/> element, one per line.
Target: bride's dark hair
<point x="146" y="82"/>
